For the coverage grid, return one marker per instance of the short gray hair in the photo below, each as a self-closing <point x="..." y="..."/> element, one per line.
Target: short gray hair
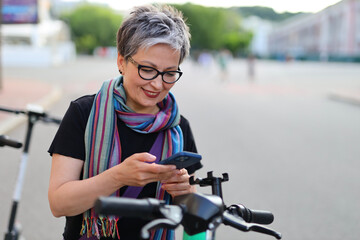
<point x="149" y="25"/>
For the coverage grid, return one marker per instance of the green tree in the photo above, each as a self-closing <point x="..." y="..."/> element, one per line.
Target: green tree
<point x="93" y="26"/>
<point x="237" y="42"/>
<point x="235" y="38"/>
<point x="205" y="24"/>
<point x="264" y="13"/>
<point x="214" y="28"/>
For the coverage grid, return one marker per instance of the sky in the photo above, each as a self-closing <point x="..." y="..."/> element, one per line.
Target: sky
<point x="277" y="5"/>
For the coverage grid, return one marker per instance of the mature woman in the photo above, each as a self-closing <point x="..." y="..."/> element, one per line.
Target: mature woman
<point x="109" y="143"/>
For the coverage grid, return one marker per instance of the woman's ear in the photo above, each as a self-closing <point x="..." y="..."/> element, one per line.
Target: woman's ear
<point x="121" y="63"/>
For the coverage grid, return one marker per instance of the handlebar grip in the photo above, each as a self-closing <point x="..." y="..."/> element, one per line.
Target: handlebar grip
<point x="261" y="217"/>
<point x="6" y="141"/>
<point x="128" y="207"/>
<point x="252" y="216"/>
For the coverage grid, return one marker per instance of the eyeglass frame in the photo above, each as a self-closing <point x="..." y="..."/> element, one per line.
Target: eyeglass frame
<point x="139" y="66"/>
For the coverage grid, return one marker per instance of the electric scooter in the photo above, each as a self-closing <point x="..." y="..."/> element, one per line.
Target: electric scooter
<point x="196" y="212"/>
<point x="34" y="113"/>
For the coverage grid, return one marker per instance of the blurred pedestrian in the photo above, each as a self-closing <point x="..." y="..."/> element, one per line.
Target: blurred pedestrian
<point x="224" y="58"/>
<point x="205" y="59"/>
<point x="251" y="66"/>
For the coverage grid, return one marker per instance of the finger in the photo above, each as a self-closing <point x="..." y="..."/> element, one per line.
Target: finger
<point x="143" y="175"/>
<point x="178" y="193"/>
<point x="176" y="186"/>
<point x="177" y="189"/>
<point x="179" y="177"/>
<point x="182" y="171"/>
<point x="144" y="157"/>
<point x="164" y="171"/>
<point x="149" y="173"/>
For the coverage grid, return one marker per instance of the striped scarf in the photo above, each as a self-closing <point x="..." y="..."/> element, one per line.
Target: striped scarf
<point x="103" y="147"/>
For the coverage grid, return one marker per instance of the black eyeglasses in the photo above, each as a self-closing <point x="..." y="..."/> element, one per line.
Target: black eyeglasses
<point x="150" y="73"/>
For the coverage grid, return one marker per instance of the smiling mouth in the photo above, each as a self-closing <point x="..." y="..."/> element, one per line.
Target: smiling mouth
<point x="151" y="94"/>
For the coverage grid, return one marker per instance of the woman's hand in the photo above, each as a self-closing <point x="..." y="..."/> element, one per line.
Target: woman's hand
<point x="178" y="184"/>
<point x="70" y="196"/>
<point x="136" y="170"/>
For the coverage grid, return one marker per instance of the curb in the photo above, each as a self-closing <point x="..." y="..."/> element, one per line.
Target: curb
<point x="45" y="102"/>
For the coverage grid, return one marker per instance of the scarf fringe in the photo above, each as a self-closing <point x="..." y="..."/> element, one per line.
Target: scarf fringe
<point x="107" y="227"/>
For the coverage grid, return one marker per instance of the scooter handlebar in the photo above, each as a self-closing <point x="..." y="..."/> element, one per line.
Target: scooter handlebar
<point x="48" y="119"/>
<point x="129" y="207"/>
<point x="6" y="141"/>
<point x="250" y="215"/>
<point x="261" y="217"/>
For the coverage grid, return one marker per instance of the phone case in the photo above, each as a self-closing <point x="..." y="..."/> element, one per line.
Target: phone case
<point x="182" y="159"/>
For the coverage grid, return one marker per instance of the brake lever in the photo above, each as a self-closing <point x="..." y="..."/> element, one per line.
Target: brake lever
<point x="261" y="229"/>
<point x="157" y="223"/>
<point x="240" y="224"/>
<point x="173" y="215"/>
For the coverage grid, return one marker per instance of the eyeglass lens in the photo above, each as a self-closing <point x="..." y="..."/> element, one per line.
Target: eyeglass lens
<point x="150" y="73"/>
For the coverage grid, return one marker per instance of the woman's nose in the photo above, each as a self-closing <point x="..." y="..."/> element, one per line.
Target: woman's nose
<point x="157" y="82"/>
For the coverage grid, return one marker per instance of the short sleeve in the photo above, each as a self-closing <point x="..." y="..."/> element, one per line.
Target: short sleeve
<point x="69" y="139"/>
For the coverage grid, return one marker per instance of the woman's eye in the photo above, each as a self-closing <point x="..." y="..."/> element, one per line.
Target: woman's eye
<point x="170" y="74"/>
<point x="147" y="70"/>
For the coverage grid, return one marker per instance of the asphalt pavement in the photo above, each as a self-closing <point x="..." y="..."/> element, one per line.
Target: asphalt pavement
<point x="288" y="137"/>
<point x="18" y="90"/>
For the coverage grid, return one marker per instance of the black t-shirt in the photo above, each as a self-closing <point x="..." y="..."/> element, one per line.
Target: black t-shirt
<point x="69" y="141"/>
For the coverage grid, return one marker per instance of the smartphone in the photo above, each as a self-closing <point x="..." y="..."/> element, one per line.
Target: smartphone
<point x="182" y="159"/>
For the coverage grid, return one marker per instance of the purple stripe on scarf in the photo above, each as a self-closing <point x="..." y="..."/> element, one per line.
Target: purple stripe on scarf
<point x="156" y="150"/>
<point x="84" y="237"/>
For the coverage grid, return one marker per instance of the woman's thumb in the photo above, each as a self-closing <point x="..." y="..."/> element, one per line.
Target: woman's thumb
<point x="146" y="157"/>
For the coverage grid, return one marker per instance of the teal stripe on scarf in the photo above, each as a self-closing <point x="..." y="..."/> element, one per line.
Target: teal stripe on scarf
<point x="103" y="147"/>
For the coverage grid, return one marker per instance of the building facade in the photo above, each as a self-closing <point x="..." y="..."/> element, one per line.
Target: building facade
<point x="261" y="29"/>
<point x="46" y="42"/>
<point x="331" y="34"/>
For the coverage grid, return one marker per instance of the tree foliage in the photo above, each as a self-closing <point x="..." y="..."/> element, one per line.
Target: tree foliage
<point x="211" y="28"/>
<point x="264" y="13"/>
<point x="92" y="26"/>
<point x="214" y="28"/>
